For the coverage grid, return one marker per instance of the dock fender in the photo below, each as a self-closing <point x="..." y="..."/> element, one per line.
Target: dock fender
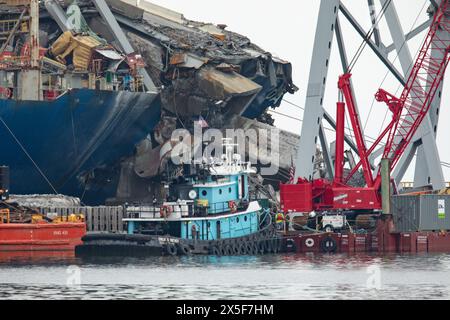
<point x="328" y="245"/>
<point x="290" y="245"/>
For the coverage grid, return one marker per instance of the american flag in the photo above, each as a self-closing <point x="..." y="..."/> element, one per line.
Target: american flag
<point x="291" y="172"/>
<point x="202" y="122"/>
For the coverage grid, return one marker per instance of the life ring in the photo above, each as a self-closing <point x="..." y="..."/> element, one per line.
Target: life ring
<point x="309" y="242"/>
<point x="165" y="211"/>
<point x="328" y="245"/>
<point x="232" y="205"/>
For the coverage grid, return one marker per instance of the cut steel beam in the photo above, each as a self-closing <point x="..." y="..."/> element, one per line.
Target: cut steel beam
<point x="118" y="33"/>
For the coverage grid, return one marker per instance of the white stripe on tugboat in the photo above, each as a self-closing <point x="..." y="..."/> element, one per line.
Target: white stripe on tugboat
<point x="253" y="206"/>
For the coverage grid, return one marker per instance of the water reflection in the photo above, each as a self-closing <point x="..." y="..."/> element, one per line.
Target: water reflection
<point x="311" y="276"/>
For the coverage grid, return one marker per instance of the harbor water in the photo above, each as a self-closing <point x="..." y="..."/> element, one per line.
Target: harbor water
<point x="56" y="276"/>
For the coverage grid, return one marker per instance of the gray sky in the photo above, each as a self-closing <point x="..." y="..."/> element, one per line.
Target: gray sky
<point x="286" y="28"/>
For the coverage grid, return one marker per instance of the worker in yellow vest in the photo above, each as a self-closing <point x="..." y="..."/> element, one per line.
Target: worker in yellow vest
<point x="279" y="220"/>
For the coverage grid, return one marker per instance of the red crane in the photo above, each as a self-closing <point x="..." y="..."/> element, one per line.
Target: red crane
<point x="408" y="112"/>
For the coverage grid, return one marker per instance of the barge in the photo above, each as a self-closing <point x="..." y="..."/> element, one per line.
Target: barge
<point x="383" y="239"/>
<point x="23" y="229"/>
<point x="41" y="236"/>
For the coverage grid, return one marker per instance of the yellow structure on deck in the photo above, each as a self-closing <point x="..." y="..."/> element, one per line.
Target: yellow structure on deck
<point x="82" y="48"/>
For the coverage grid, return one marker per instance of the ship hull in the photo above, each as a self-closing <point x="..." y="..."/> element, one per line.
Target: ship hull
<point x="63" y="140"/>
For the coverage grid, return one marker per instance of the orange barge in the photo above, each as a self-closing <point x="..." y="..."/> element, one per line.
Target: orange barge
<point x="41" y="236"/>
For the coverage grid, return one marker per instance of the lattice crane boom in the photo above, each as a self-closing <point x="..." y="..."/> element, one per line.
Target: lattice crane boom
<point x="424" y="80"/>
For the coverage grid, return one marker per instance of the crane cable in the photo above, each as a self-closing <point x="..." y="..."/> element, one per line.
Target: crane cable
<point x="27" y="154"/>
<point x="387" y="72"/>
<point x="367" y="37"/>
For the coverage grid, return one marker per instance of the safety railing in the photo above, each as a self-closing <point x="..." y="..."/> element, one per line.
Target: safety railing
<point x="183" y="210"/>
<point x="14" y="62"/>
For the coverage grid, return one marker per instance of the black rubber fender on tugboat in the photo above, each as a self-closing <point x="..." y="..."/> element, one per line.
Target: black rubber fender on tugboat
<point x="260" y="245"/>
<point x="228" y="250"/>
<point x="236" y="248"/>
<point x="328" y="245"/>
<point x="269" y="246"/>
<point x="255" y="249"/>
<point x="171" y="249"/>
<point x="184" y="249"/>
<point x="275" y="245"/>
<point x="216" y="250"/>
<point x="248" y="248"/>
<point x="241" y="248"/>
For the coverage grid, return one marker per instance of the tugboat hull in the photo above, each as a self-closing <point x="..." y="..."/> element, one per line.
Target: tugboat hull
<point x="263" y="242"/>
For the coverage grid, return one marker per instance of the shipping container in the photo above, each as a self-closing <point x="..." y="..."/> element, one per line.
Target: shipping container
<point x="421" y="213"/>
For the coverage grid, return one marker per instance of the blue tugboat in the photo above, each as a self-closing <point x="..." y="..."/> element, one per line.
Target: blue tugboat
<point x="209" y="211"/>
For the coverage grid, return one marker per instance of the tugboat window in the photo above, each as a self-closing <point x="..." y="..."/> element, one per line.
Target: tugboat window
<point x="245" y="218"/>
<point x="229" y="190"/>
<point x="220" y="191"/>
<point x="204" y="193"/>
<point x="237" y="219"/>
